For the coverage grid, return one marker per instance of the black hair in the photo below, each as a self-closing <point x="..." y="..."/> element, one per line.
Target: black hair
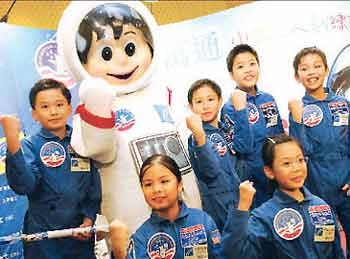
<point x="306" y="51"/>
<point x="163" y="160"/>
<point x="100" y="17"/>
<point x="238" y="49"/>
<point x="269" y="146"/>
<point x="268" y="154"/>
<point x="46" y="84"/>
<point x="199" y="84"/>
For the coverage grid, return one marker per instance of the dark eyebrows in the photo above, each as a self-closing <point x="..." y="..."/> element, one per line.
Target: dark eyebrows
<point x="129" y="32"/>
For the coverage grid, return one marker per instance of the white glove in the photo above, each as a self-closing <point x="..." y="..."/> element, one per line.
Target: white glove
<point x="98" y="96"/>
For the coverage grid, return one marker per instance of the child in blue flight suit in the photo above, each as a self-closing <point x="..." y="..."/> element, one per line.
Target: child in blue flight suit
<point x="263" y="115"/>
<point x="173" y="230"/>
<point x="63" y="189"/>
<point x="293" y="224"/>
<point x="321" y="123"/>
<point x="212" y="148"/>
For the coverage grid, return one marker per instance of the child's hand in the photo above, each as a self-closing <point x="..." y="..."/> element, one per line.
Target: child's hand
<point x="296" y="109"/>
<point x="11" y="125"/>
<point x="239" y="99"/>
<point x="194" y="124"/>
<point x="246" y="195"/>
<point x="119" y="238"/>
<point x="12" y="128"/>
<point x="346" y="189"/>
<point x="84" y="236"/>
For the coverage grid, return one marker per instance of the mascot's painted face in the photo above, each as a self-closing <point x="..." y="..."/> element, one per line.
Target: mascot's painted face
<point x="115" y="43"/>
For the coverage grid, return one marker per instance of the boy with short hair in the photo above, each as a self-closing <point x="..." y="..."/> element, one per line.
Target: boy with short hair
<point x="320" y="121"/>
<point x="211" y="148"/>
<point x="263" y="115"/>
<point x="63" y="189"/>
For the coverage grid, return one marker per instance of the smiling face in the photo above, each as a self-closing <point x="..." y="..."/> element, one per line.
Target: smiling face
<point x="52" y="111"/>
<point x="288" y="167"/>
<point x="311" y="72"/>
<point x="161" y="190"/>
<point x="119" y="61"/>
<point x="206" y="103"/>
<point x="245" y="71"/>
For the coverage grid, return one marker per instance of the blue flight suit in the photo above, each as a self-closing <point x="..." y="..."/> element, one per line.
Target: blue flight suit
<point x="324" y="135"/>
<point x="60" y="194"/>
<point x="214" y="166"/>
<point x="283" y="228"/>
<point x="193" y="231"/>
<point x="265" y="121"/>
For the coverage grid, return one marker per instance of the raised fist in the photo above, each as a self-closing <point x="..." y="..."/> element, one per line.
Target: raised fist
<point x="296" y="109"/>
<point x="97" y="96"/>
<point x="119" y="238"/>
<point x="11" y="125"/>
<point x="246" y="195"/>
<point x="194" y="123"/>
<point x="239" y="99"/>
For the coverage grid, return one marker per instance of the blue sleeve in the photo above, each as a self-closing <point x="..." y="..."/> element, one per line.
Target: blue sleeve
<point x="338" y="250"/>
<point x="245" y="237"/>
<point x="297" y="130"/>
<point x="22" y="171"/>
<point x="92" y="203"/>
<point x="214" y="239"/>
<point x="204" y="160"/>
<point x="242" y="138"/>
<point x="280" y="128"/>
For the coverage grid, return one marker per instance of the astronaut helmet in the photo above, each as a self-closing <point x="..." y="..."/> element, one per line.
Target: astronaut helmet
<point x="113" y="40"/>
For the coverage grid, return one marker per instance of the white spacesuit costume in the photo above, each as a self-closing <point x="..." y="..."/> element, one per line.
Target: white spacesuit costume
<point x="124" y="114"/>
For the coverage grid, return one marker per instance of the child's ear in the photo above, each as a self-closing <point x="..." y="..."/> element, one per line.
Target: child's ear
<point x="70" y="109"/>
<point x="190" y="107"/>
<point x="232" y="77"/>
<point x="269" y="172"/>
<point x="34" y="115"/>
<point x="297" y="78"/>
<point x="180" y="188"/>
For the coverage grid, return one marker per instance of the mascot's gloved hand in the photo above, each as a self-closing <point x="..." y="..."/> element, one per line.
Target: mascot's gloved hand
<point x="97" y="96"/>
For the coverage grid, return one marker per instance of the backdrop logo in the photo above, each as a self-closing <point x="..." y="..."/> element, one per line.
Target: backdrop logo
<point x="49" y="65"/>
<point x="3" y="149"/>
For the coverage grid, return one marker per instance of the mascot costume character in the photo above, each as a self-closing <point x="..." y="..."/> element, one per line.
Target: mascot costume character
<point x="124" y="115"/>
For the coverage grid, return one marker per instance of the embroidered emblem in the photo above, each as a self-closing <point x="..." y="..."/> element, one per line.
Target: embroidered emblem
<point x="253" y="113"/>
<point x="288" y="224"/>
<point x="321" y="215"/>
<point x="218" y="143"/>
<point x="340" y="113"/>
<point x="124" y="119"/>
<point x="270" y="113"/>
<point x="161" y="246"/>
<point x="52" y="154"/>
<point x="312" y="115"/>
<point x="193" y="235"/>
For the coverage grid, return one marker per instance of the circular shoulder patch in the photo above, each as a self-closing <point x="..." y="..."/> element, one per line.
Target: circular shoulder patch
<point x="288" y="224"/>
<point x="312" y="115"/>
<point x="161" y="246"/>
<point x="124" y="119"/>
<point x="52" y="154"/>
<point x="253" y="113"/>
